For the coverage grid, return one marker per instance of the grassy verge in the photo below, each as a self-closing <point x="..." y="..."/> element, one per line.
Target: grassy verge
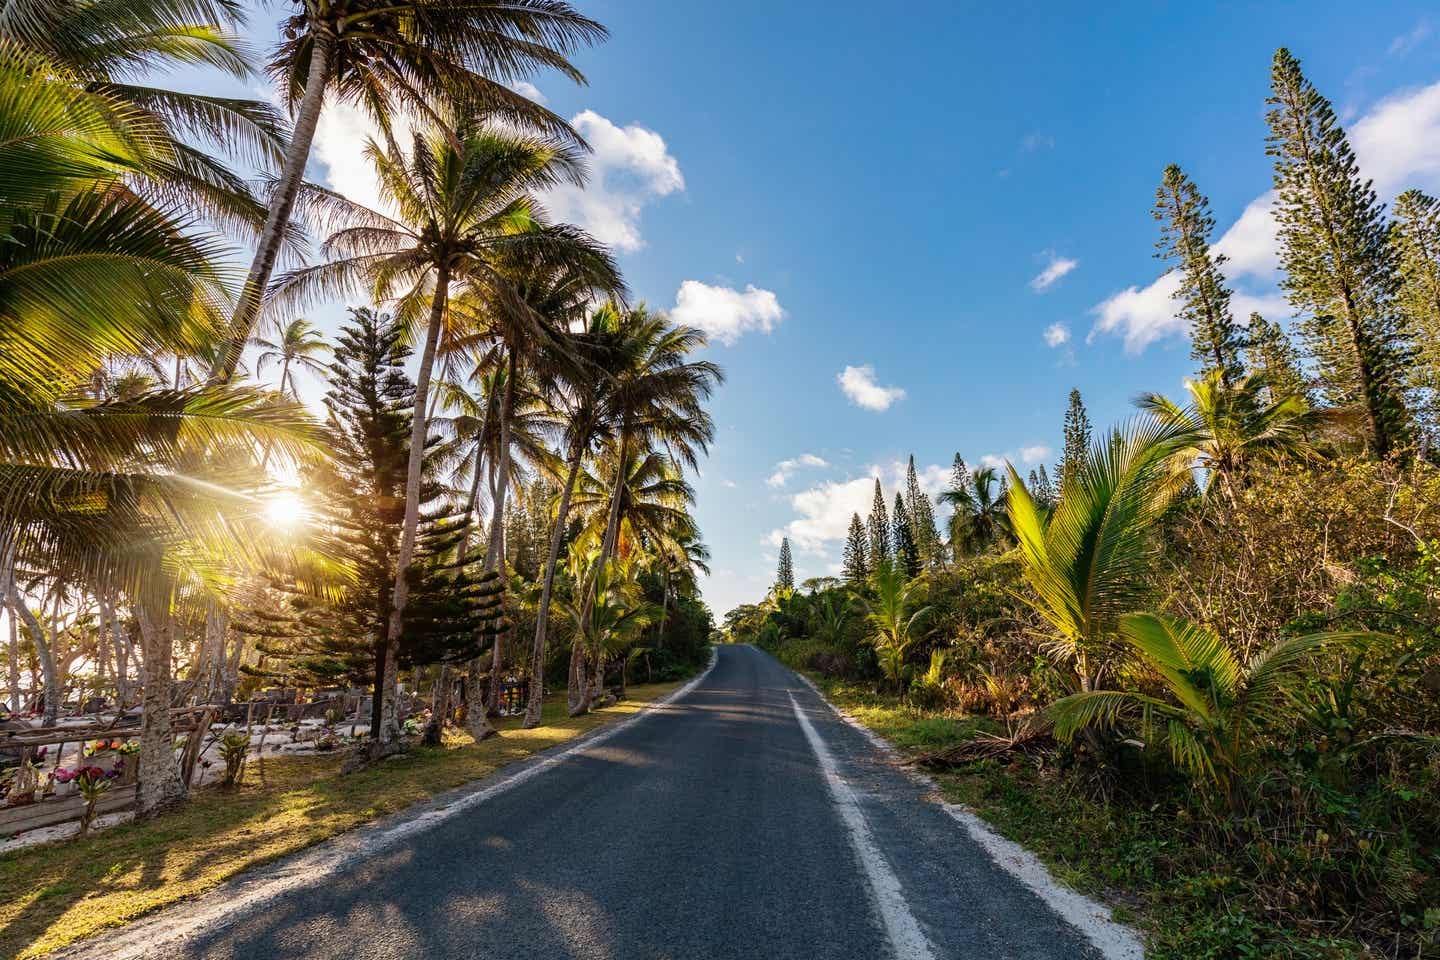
<point x="1184" y="897"/>
<point x="54" y="895"/>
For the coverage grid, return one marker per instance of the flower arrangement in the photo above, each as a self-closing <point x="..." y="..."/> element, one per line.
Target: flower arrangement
<point x="328" y="740"/>
<point x="20" y="783"/>
<point x="93" y="783"/>
<point x="122" y="747"/>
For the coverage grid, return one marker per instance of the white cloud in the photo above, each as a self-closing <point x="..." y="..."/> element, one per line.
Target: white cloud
<point x="1028" y="456"/>
<point x="1397" y="145"/>
<point x="1406" y="42"/>
<point x="860" y="386"/>
<point x="1032" y="455"/>
<point x="786" y="468"/>
<point x="1057" y="334"/>
<point x="724" y="313"/>
<point x="1032" y="142"/>
<point x="340" y="137"/>
<point x="529" y="91"/>
<point x="1056" y="268"/>
<point x="824" y="510"/>
<point x="630" y="167"/>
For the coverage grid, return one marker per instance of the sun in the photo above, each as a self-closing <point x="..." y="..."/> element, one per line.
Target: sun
<point x="286" y="509"/>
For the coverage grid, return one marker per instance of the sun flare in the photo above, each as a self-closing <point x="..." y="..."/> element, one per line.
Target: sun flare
<point x="286" y="509"/>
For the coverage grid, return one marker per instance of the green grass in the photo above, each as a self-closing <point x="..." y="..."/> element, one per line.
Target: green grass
<point x="55" y="894"/>
<point x="1184" y="897"/>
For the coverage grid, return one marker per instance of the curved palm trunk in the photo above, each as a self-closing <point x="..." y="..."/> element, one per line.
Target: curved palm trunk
<point x="581" y="694"/>
<point x="161" y="784"/>
<point x="44" y="651"/>
<point x="495" y="553"/>
<point x="390" y="726"/>
<point x="482" y="702"/>
<point x="536" y="702"/>
<point x="292" y="174"/>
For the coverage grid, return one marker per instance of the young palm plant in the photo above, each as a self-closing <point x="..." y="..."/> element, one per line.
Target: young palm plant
<point x="895" y="615"/>
<point x="1215" y="705"/>
<point x="1089" y="562"/>
<point x="1234" y="427"/>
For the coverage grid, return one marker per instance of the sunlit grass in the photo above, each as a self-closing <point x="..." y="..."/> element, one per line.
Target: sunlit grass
<point x="54" y="895"/>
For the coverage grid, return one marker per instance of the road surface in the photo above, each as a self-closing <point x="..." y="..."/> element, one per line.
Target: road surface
<point x="743" y="819"/>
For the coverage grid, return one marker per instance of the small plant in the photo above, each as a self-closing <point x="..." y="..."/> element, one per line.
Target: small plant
<point x="93" y="783"/>
<point x="234" y="747"/>
<point x="329" y="740"/>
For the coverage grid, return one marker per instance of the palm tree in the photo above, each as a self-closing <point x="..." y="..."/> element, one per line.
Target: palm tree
<point x="616" y="615"/>
<point x="385" y="56"/>
<point x="1234" y="427"/>
<point x="297" y="343"/>
<point x="979" y="515"/>
<point x="894" y="614"/>
<point x="656" y="403"/>
<point x="1090" y="561"/>
<point x="463" y="201"/>
<point x="105" y="45"/>
<point x="1215" y="705"/>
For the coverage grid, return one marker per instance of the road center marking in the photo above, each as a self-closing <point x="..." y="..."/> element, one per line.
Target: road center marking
<point x="906" y="938"/>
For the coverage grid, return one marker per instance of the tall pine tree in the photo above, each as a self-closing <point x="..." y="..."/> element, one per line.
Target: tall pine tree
<point x="1415" y="235"/>
<point x="922" y="516"/>
<point x="1185" y="227"/>
<point x="857" y="563"/>
<point x="1274" y="358"/>
<point x="907" y="552"/>
<point x="878" y="527"/>
<point x="1077" y="438"/>
<point x="1339" y="267"/>
<point x="785" y="571"/>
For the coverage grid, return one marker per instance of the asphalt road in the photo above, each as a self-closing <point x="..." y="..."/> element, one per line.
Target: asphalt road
<point x="706" y="830"/>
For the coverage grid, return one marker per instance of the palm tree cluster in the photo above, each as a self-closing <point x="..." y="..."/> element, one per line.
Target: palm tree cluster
<point x="173" y="534"/>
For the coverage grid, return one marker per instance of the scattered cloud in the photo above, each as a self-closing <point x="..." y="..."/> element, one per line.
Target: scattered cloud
<point x="528" y="90"/>
<point x="1057" y="334"/>
<point x="1036" y="140"/>
<point x="630" y="166"/>
<point x="340" y="138"/>
<point x="785" y="469"/>
<point x="1406" y="42"/>
<point x="860" y="386"/>
<point x="1038" y="453"/>
<point x="1026" y="456"/>
<point x="1056" y="267"/>
<point x="824" y="510"/>
<point x="725" y="313"/>
<point x="1397" y="145"/>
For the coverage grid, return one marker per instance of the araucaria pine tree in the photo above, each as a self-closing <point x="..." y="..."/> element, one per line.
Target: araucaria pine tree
<point x="1077" y="438"/>
<point x="922" y="516"/>
<point x="879" y="529"/>
<point x="1185" y="227"/>
<point x="1340" y="269"/>
<point x="785" y="571"/>
<point x="907" y="553"/>
<point x="1273" y="358"/>
<point x="857" y="564"/>
<point x="1415" y="236"/>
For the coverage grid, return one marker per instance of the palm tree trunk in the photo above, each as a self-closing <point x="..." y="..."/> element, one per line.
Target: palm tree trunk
<point x="579" y="693"/>
<point x="297" y="154"/>
<point x="161" y="784"/>
<point x="7" y="586"/>
<point x="495" y="552"/>
<point x="536" y="701"/>
<point x="410" y="527"/>
<point x="46" y="653"/>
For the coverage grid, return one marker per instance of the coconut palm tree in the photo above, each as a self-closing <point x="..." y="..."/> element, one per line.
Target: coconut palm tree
<point x="656" y="403"/>
<point x="895" y="615"/>
<point x="1234" y="427"/>
<point x="979" y="514"/>
<point x="1089" y="562"/>
<point x="296" y="344"/>
<point x="111" y="46"/>
<point x="463" y="196"/>
<point x="1215" y="703"/>
<point x="393" y="56"/>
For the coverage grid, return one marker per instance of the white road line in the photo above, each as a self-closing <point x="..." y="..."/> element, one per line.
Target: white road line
<point x="906" y="938"/>
<point x="247" y="895"/>
<point x="1093" y="919"/>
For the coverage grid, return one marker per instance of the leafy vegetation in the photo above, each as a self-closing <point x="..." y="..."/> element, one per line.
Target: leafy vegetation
<point x="1202" y="674"/>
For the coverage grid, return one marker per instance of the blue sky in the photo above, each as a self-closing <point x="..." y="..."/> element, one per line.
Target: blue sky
<point x="948" y="200"/>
